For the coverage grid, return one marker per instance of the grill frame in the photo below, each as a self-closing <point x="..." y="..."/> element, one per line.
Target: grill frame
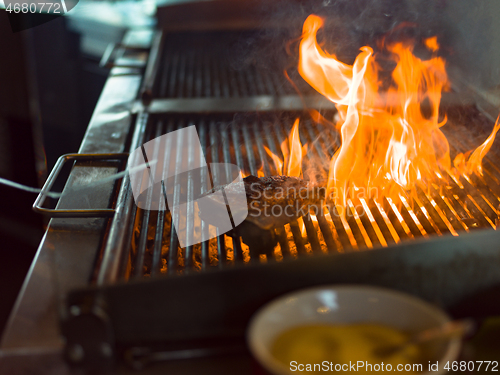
<point x="228" y="297"/>
<point x="140" y="311"/>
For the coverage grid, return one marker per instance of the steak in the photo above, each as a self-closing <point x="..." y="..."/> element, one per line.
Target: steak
<point x="274" y="201"/>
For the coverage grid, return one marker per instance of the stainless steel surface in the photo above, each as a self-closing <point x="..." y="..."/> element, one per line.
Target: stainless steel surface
<point x="114" y="254"/>
<point x="107" y="60"/>
<point x="152" y="68"/>
<point x="66" y="256"/>
<point x="250" y="104"/>
<point x="218" y="15"/>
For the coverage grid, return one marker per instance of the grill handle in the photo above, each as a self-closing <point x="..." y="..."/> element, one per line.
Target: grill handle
<point x="139" y="357"/>
<point x="73" y="213"/>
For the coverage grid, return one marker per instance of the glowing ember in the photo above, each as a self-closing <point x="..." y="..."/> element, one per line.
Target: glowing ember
<point x="387" y="142"/>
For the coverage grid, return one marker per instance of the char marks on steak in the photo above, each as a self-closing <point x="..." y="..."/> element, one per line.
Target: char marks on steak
<point x="276" y="200"/>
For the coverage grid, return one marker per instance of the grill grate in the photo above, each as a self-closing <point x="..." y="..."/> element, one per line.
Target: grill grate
<point x="216" y="65"/>
<point x="450" y="207"/>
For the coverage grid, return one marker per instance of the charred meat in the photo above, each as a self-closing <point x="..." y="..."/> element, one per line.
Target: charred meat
<point x="276" y="200"/>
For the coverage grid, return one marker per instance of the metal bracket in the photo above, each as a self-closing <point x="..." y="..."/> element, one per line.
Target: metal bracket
<point x="106" y="60"/>
<point x="89" y="336"/>
<point x="140" y="357"/>
<point x="152" y="69"/>
<point x="37" y="206"/>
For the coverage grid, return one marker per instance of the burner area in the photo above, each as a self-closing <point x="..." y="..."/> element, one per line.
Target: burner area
<point x="202" y="66"/>
<point x="453" y="207"/>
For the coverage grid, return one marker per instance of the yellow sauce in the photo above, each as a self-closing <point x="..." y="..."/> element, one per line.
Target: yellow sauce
<point x="343" y="344"/>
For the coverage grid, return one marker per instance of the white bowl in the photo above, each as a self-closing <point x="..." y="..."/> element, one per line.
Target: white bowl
<point x="344" y="305"/>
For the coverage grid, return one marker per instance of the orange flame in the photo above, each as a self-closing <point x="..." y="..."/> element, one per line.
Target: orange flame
<point x="432" y="43"/>
<point x="260" y="171"/>
<point x="387" y="143"/>
<point x="293" y="152"/>
<point x="278" y="164"/>
<point x="474" y="164"/>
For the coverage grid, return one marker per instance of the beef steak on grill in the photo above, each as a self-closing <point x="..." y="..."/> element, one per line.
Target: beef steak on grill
<point x="273" y="201"/>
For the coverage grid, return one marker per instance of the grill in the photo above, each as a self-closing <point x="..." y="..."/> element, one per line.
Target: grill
<point x="142" y="244"/>
<point x="142" y="297"/>
<point x="193" y="66"/>
<point x="451" y="207"/>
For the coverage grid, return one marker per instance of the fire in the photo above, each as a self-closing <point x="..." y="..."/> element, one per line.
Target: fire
<point x="432" y="44"/>
<point x="474" y="164"/>
<point x="260" y="171"/>
<point x="390" y="138"/>
<point x="293" y="152"/>
<point x="278" y="164"/>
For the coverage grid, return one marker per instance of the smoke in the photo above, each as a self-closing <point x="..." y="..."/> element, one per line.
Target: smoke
<point x="465" y="32"/>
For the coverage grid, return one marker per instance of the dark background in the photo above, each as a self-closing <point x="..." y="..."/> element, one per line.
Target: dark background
<point x="48" y="90"/>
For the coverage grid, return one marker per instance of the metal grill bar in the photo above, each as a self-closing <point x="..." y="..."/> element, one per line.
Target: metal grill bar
<point x="116" y="251"/>
<point x="174" y="240"/>
<point x="295" y="229"/>
<point x="188" y="253"/>
<point x="238" y="252"/>
<point x="205" y="260"/>
<point x="146" y="213"/>
<point x="280" y="232"/>
<point x="214" y="145"/>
